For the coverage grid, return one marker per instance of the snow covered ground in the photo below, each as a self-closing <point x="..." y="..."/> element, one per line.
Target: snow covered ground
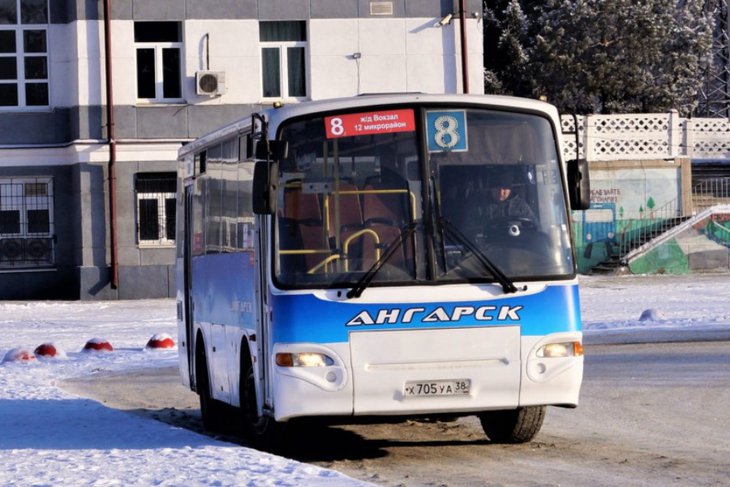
<point x="655" y="308"/>
<point x="48" y="436"/>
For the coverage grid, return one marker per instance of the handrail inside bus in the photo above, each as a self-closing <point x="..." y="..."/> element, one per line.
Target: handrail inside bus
<point x="359" y="192"/>
<point x="358" y="234"/>
<point x="326" y="261"/>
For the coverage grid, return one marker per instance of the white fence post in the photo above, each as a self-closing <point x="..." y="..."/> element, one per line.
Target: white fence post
<point x="588" y="135"/>
<point x="675" y="135"/>
<point x="689" y="139"/>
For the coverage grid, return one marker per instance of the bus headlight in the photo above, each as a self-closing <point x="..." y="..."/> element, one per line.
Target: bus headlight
<point x="564" y="349"/>
<point x="303" y="359"/>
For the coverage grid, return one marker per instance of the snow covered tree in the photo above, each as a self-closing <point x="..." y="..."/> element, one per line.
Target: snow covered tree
<point x="599" y="56"/>
<point x="714" y="98"/>
<point x="505" y="54"/>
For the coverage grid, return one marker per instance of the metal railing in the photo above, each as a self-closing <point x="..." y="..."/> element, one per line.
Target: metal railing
<point x="710" y="192"/>
<point x="632" y="233"/>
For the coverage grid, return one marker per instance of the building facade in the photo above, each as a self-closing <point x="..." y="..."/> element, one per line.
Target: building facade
<point x="177" y="69"/>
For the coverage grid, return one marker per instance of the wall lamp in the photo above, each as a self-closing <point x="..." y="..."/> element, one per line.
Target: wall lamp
<point x="445" y="20"/>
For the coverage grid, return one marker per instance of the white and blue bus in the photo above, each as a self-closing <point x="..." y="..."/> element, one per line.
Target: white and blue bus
<point x="343" y="260"/>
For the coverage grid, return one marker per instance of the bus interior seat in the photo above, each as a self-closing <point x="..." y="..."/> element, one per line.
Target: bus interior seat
<point x="299" y="205"/>
<point x="385" y="214"/>
<point x="349" y="210"/>
<point x="301" y="228"/>
<point x="350" y="222"/>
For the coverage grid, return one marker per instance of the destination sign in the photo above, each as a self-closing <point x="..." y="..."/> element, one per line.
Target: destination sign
<point x="367" y="123"/>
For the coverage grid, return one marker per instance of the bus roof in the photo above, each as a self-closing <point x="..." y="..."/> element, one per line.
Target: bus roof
<point x="275" y="116"/>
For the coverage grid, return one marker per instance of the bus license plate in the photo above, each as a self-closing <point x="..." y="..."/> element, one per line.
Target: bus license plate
<point x="458" y="387"/>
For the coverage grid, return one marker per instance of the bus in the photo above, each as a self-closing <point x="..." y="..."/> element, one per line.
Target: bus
<point x="340" y="260"/>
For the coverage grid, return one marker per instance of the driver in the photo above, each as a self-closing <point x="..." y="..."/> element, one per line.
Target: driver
<point x="503" y="202"/>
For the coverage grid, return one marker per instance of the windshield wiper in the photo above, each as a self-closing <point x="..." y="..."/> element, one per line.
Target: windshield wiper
<point x="367" y="278"/>
<point x="507" y="285"/>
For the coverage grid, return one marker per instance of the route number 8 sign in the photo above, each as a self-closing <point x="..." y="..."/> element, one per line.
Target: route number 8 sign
<point x="446" y="131"/>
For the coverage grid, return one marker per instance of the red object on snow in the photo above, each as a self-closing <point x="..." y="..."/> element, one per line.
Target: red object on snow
<point x="19" y="355"/>
<point x="161" y="341"/>
<point x="98" y="345"/>
<point x="46" y="350"/>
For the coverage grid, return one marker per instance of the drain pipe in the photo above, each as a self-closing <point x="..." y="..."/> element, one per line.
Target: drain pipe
<point x="464" y="57"/>
<point x="112" y="147"/>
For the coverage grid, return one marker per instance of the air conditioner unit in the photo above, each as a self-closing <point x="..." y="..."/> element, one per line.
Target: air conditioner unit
<point x="38" y="249"/>
<point x="210" y="83"/>
<point x="11" y="249"/>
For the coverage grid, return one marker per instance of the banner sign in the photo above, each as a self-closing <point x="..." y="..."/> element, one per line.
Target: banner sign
<point x="367" y="123"/>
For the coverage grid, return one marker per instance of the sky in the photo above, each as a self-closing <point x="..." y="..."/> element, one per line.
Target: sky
<point x="51" y="437"/>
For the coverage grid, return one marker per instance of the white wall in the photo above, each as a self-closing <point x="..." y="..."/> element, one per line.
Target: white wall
<point x="234" y="49"/>
<point x="395" y="55"/>
<point x="124" y="63"/>
<point x="333" y="71"/>
<point x="402" y="55"/>
<point x="75" y="64"/>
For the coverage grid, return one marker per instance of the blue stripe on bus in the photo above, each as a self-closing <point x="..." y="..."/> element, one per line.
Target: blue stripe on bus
<point x="306" y="318"/>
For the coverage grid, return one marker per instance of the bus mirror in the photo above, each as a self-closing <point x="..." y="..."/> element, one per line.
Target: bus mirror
<point x="267" y="150"/>
<point x="260" y="150"/>
<point x="265" y="181"/>
<point x="278" y="149"/>
<point x="579" y="184"/>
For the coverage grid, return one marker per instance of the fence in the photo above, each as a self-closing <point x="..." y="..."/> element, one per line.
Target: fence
<point x="645" y="136"/>
<point x="711" y="192"/>
<point x="604" y="242"/>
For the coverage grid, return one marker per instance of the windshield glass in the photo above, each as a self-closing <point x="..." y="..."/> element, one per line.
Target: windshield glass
<point x="437" y="191"/>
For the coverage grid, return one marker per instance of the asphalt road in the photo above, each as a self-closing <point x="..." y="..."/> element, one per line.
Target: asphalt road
<point x="650" y="414"/>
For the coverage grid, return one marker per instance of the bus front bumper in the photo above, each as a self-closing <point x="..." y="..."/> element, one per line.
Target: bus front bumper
<point x="416" y="372"/>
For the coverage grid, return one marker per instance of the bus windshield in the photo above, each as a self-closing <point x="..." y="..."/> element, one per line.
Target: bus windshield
<point x="425" y="195"/>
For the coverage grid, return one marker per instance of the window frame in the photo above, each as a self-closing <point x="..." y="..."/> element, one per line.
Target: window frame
<point x="161" y="197"/>
<point x="21" y="81"/>
<point x="158" y="48"/>
<point x="23" y="203"/>
<point x="19" y="200"/>
<point x="283" y="49"/>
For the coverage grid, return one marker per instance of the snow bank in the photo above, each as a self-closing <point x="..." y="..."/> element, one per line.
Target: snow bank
<point x="49" y="437"/>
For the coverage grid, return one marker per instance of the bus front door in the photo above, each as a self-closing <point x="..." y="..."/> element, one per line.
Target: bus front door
<point x="187" y="276"/>
<point x="263" y="333"/>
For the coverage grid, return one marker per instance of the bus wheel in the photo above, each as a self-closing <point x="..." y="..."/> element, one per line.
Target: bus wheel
<point x="212" y="411"/>
<point x="261" y="430"/>
<point x="513" y="425"/>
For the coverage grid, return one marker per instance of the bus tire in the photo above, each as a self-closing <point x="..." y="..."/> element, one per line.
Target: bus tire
<point x="212" y="411"/>
<point x="513" y="425"/>
<point x="261" y="430"/>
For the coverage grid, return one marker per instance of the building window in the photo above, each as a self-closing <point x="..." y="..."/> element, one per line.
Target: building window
<point x="23" y="54"/>
<point x="26" y="222"/>
<point x="283" y="59"/>
<point x="155" y="208"/>
<point x="159" y="60"/>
